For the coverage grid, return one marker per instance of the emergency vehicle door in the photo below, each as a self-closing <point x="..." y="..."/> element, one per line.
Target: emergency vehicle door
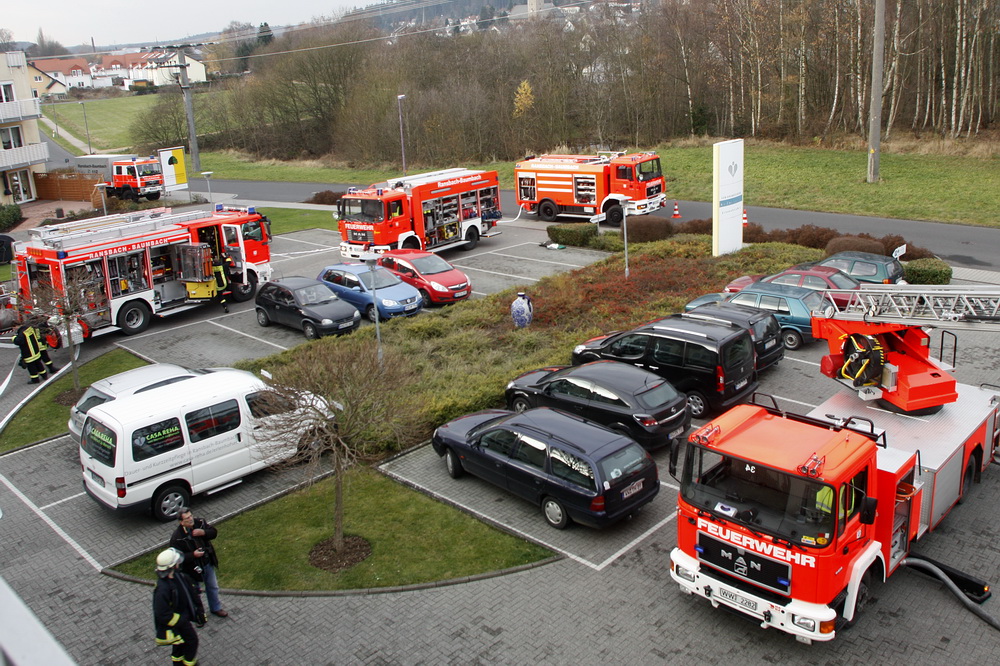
<point x="236" y="248"/>
<point x="624" y="181"/>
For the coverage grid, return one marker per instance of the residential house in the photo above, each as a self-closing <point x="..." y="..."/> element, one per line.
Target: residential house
<point x="43" y="85"/>
<point x="71" y="72"/>
<point x="149" y="68"/>
<point x="22" y="152"/>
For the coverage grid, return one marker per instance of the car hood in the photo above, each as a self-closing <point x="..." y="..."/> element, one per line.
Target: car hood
<point x="397" y="292"/>
<point x="450" y="278"/>
<point x="337" y="309"/>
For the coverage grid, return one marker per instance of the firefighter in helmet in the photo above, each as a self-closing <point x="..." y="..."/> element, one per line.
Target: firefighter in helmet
<point x="34" y="355"/>
<point x="223" y="268"/>
<point x="176" y="608"/>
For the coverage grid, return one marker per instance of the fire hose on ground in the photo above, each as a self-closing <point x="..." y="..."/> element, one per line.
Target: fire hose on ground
<point x="927" y="567"/>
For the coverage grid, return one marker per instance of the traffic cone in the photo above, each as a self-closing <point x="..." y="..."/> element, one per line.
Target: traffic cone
<point x="677" y="211"/>
<point x="745" y="217"/>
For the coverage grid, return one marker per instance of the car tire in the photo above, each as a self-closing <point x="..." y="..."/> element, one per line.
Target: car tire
<point x="471" y="239"/>
<point x="371" y="312"/>
<point x="548" y="211"/>
<point x="555" y="513"/>
<point x="167" y="501"/>
<point x="968" y="479"/>
<point x="791" y="338"/>
<point x="864" y="598"/>
<point x="426" y="297"/>
<point x="262" y="318"/>
<point x="453" y="464"/>
<point x="309" y="330"/>
<point x="520" y="403"/>
<point x="698" y="404"/>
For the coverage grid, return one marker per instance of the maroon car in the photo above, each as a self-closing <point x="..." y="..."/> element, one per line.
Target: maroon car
<point x="811" y="277"/>
<point x="437" y="281"/>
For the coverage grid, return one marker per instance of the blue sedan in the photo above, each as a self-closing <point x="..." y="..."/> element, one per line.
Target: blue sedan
<point x="359" y="285"/>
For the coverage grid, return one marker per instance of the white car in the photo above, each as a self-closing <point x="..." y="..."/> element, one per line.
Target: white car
<point x="123" y="384"/>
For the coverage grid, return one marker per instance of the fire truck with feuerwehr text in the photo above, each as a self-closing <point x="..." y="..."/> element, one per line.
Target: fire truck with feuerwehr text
<point x="116" y="272"/>
<point x="589" y="186"/>
<point x="792" y="519"/>
<point x="432" y="211"/>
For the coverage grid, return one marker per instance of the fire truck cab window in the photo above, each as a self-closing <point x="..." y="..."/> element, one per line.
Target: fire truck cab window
<point x="131" y="171"/>
<point x="851" y="495"/>
<point x="395" y="208"/>
<point x="253" y="231"/>
<point x="624" y="173"/>
<point x="364" y="210"/>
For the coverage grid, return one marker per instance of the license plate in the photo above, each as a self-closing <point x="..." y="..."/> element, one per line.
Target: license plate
<point x="346" y="324"/>
<point x="96" y="478"/>
<point x="749" y="604"/>
<point x="770" y="343"/>
<point x="632" y="489"/>
<point x="677" y="433"/>
<point x="411" y="306"/>
<point x="459" y="294"/>
<point x="743" y="382"/>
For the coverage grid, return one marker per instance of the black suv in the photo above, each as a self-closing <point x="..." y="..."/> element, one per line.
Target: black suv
<point x="762" y="326"/>
<point x="712" y="362"/>
<point x="574" y="469"/>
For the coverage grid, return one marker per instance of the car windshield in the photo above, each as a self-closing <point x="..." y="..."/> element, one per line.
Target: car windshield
<point x="737" y="352"/>
<point x="152" y="169"/>
<point x="844" y="281"/>
<point x="314" y="294"/>
<point x="365" y="210"/>
<point x="658" y="396"/>
<point x="789" y="506"/>
<point x="383" y="279"/>
<point x="90" y="399"/>
<point x="815" y="301"/>
<point x="649" y="170"/>
<point x="623" y="462"/>
<point x="489" y="424"/>
<point x="766" y="328"/>
<point x="431" y="264"/>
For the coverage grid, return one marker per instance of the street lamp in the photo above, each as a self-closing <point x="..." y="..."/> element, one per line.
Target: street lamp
<point x="402" y="145"/>
<point x="87" y="125"/>
<point x="370" y="260"/>
<point x="104" y="201"/>
<point x="208" y="175"/>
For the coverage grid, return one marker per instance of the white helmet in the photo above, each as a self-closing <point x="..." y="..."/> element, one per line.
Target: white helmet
<point x="168" y="559"/>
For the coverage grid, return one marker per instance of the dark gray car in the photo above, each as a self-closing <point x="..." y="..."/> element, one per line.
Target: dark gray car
<point x="307" y="305"/>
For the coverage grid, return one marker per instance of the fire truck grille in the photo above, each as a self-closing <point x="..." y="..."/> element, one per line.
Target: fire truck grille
<point x="362" y="236"/>
<point x="653" y="190"/>
<point x="744" y="564"/>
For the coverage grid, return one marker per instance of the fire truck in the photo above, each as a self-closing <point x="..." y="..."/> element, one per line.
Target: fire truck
<point x="430" y="211"/>
<point x="116" y="272"/>
<point x="588" y="186"/>
<point x="791" y="519"/>
<point x="126" y="176"/>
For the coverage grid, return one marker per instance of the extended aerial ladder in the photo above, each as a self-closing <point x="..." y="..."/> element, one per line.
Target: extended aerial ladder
<point x="879" y="346"/>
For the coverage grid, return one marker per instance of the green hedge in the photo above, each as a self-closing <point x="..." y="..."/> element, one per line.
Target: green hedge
<point x="927" y="271"/>
<point x="10" y="216"/>
<point x="578" y="234"/>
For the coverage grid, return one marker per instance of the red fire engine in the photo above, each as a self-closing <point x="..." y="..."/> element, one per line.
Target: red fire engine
<point x="430" y="211"/>
<point x="126" y="176"/>
<point x="119" y="270"/>
<point x="792" y="518"/>
<point x="609" y="183"/>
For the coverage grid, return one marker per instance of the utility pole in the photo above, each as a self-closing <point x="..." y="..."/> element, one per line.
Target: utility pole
<point x="189" y="110"/>
<point x="875" y="109"/>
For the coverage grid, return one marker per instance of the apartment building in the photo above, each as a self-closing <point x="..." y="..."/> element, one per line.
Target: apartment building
<point x="22" y="151"/>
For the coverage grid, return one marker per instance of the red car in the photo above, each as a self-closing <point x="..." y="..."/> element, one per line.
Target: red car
<point x="437" y="281"/>
<point x="811" y="277"/>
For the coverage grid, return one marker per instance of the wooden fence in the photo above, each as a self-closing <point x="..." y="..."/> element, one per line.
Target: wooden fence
<point x="68" y="187"/>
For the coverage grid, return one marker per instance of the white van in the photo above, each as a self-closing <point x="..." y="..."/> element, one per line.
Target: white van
<point x="159" y="447"/>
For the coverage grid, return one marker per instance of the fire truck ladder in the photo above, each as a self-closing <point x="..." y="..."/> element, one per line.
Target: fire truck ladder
<point x="962" y="307"/>
<point x="70" y="234"/>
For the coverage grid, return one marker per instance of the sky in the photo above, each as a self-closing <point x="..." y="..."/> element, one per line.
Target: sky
<point x="72" y="23"/>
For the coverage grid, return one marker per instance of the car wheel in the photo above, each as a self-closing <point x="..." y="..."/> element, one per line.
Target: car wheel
<point x="153" y="196"/>
<point x="791" y="338"/>
<point x="371" y="313"/>
<point x="520" y="404"/>
<point x="167" y="502"/>
<point x="310" y="330"/>
<point x="555" y="513"/>
<point x="262" y="318"/>
<point x="134" y="318"/>
<point x="698" y="404"/>
<point x="864" y="598"/>
<point x="426" y="296"/>
<point x="453" y="464"/>
<point x="547" y="211"/>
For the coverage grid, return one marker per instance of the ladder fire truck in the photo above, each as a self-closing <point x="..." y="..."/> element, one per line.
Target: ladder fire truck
<point x="609" y="184"/>
<point x="115" y="272"/>
<point x="430" y="211"/>
<point x="792" y="518"/>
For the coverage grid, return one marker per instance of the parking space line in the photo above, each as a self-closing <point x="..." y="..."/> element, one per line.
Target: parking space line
<point x="797" y="402"/>
<point x="305" y="242"/>
<point x="48" y="521"/>
<point x="632" y="544"/>
<point x="540" y="261"/>
<point x="65" y="499"/>
<point x="801" y="360"/>
<point x="252" y="337"/>
<point x="480" y="270"/>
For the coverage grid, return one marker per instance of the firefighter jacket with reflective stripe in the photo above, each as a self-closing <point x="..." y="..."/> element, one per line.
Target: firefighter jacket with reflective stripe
<point x="174" y="603"/>
<point x="29" y="343"/>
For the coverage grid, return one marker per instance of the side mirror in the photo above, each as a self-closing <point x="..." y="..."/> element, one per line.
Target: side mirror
<point x="675" y="448"/>
<point x="868" y="507"/>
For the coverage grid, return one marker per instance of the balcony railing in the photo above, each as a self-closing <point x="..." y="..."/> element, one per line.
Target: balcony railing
<point x="22" y="109"/>
<point x="33" y="153"/>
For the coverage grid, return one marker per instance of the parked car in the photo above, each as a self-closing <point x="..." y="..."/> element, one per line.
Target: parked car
<point x="810" y="276"/>
<point x="307" y="305"/>
<point x="437" y="281"/>
<point x="574" y="469"/>
<point x="359" y="285"/>
<point x="630" y="400"/>
<point x="130" y="382"/>
<point x="762" y="326"/>
<point x="791" y="306"/>
<point x="712" y="362"/>
<point x="867" y="267"/>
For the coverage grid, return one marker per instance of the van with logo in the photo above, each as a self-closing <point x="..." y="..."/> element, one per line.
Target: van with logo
<point x="158" y="448"/>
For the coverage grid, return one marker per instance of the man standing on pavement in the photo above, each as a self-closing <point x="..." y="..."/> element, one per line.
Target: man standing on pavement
<point x="175" y="606"/>
<point x="193" y="537"/>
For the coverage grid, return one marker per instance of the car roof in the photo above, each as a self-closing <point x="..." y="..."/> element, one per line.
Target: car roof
<point x="406" y="252"/>
<point x="814" y="270"/>
<point x="734" y="312"/>
<point x="616" y="375"/>
<point x="694" y="328"/>
<point x="571" y="431"/>
<point x="854" y="254"/>
<point x="135" y="379"/>
<point x="351" y="267"/>
<point x="296" y="282"/>
<point x="789" y="290"/>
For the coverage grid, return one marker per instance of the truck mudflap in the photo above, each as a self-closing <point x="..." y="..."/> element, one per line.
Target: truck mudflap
<point x="806" y="621"/>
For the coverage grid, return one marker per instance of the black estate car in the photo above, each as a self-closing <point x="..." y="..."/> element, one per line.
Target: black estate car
<point x="572" y="468"/>
<point x="712" y="362"/>
<point x="622" y="397"/>
<point x="305" y="304"/>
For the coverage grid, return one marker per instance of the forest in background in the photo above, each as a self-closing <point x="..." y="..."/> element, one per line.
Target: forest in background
<point x="797" y="70"/>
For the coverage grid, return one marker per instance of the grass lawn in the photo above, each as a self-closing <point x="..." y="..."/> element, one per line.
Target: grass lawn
<point x="107" y="119"/>
<point x="46" y="416"/>
<point x="6" y="272"/>
<point x="286" y="220"/>
<point x="414" y="539"/>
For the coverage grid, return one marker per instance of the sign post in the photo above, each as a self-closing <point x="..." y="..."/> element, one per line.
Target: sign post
<point x="727" y="197"/>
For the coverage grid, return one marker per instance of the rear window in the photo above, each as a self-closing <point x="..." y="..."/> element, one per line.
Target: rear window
<point x="623" y="462"/>
<point x="100" y="442"/>
<point x="660" y="395"/>
<point x="843" y="281"/>
<point x="156" y="438"/>
<point x="92" y="398"/>
<point x="766" y="328"/>
<point x="738" y="352"/>
<point x="572" y="468"/>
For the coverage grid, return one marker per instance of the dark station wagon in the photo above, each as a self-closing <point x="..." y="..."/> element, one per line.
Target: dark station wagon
<point x="574" y="469"/>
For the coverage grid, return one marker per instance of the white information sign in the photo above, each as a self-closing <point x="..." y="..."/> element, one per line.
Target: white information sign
<point x="173" y="168"/>
<point x="727" y="197"/>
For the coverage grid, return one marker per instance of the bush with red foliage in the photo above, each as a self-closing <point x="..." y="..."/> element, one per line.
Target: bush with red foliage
<point x="325" y="198"/>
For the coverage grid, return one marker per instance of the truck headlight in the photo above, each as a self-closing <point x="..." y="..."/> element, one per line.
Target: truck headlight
<point x="683" y="573"/>
<point x="807" y="623"/>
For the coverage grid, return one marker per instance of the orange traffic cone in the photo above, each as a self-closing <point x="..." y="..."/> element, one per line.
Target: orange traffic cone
<point x="677" y="211"/>
<point x="745" y="217"/>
